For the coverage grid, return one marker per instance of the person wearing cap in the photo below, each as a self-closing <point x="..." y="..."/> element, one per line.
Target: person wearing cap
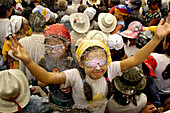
<point x="116" y="46"/>
<point x="153" y="15"/>
<point x="34" y="43"/>
<point x="135" y="6"/>
<point x="90" y="83"/>
<point x="130" y="35"/>
<point x="19" y="26"/>
<point x="127" y="97"/>
<point x="151" y="89"/>
<point x="120" y="12"/>
<point x="57" y="59"/>
<point x="80" y="23"/>
<point x="15" y="94"/>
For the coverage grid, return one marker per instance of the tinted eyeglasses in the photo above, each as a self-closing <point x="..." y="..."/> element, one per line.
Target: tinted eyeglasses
<point x="55" y="47"/>
<point x="93" y="63"/>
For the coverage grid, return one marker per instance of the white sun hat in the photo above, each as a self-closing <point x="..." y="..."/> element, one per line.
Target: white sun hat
<point x="14" y="90"/>
<point x="115" y="41"/>
<point x="107" y="22"/>
<point x="97" y="35"/>
<point x="80" y="22"/>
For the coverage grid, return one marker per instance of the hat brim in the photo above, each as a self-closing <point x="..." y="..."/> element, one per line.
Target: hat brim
<point x="24" y="96"/>
<point x="129" y="90"/>
<point x="130" y="34"/>
<point x="151" y="73"/>
<point x="91" y="33"/>
<point x="103" y="28"/>
<point x="92" y="3"/>
<point x="83" y="29"/>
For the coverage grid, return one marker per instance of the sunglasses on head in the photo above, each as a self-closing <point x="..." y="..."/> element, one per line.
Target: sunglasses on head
<point x="55" y="47"/>
<point x="93" y="63"/>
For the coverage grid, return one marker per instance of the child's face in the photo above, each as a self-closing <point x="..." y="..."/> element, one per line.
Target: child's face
<point x="55" y="47"/>
<point x="118" y="16"/>
<point x="95" y="64"/>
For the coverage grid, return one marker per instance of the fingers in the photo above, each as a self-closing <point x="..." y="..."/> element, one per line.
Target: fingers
<point x="161" y="22"/>
<point x="168" y="18"/>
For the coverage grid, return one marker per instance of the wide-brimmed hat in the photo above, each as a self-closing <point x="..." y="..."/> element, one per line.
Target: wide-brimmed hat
<point x="92" y="2"/>
<point x="151" y="63"/>
<point x="58" y="29"/>
<point x="97" y="35"/>
<point x="85" y="44"/>
<point x="107" y="22"/>
<point x="80" y="22"/>
<point x="134" y="28"/>
<point x="115" y="41"/>
<point x="131" y="81"/>
<point x="14" y="90"/>
<point x="44" y="11"/>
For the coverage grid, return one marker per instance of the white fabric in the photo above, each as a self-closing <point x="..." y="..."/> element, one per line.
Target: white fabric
<point x="16" y="22"/>
<point x="35" y="47"/>
<point x="74" y="37"/>
<point x="130" y="50"/>
<point x="114" y="107"/>
<point x="99" y="87"/>
<point x="4" y="30"/>
<point x="162" y="62"/>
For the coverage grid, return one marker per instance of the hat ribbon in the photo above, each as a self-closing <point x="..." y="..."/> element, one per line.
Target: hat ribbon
<point x="12" y="99"/>
<point x="128" y="83"/>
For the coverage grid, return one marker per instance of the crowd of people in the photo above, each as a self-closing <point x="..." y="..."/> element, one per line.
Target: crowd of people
<point x="85" y="56"/>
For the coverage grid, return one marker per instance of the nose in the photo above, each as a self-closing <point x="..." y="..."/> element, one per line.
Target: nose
<point x="98" y="67"/>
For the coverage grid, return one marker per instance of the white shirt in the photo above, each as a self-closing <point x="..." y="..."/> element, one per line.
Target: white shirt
<point x="130" y="50"/>
<point x="99" y="87"/>
<point x="4" y="30"/>
<point x="114" y="107"/>
<point x="162" y="62"/>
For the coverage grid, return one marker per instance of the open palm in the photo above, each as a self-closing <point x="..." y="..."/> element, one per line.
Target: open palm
<point x="19" y="51"/>
<point x="163" y="29"/>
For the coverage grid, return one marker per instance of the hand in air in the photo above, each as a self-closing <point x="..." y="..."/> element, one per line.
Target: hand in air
<point x="18" y="50"/>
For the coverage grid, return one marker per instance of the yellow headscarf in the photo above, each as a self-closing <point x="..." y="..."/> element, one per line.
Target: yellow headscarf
<point x="90" y="43"/>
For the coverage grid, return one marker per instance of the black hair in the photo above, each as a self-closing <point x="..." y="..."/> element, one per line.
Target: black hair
<point x="117" y="55"/>
<point x="37" y="22"/>
<point x="149" y="2"/>
<point x="87" y="88"/>
<point x="168" y="41"/>
<point x="166" y="72"/>
<point x="6" y="5"/>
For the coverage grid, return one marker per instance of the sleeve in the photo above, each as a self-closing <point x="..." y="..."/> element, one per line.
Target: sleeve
<point x="71" y="77"/>
<point x="114" y="69"/>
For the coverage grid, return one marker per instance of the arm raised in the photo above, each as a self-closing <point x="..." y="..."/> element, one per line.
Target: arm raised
<point x="41" y="74"/>
<point x="162" y="31"/>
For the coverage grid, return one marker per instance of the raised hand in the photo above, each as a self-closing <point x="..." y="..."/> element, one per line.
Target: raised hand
<point x="19" y="51"/>
<point x="163" y="29"/>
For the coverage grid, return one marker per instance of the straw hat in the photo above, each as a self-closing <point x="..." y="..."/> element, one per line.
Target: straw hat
<point x="92" y="2"/>
<point x="107" y="22"/>
<point x="80" y="22"/>
<point x="14" y="89"/>
<point x="97" y="35"/>
<point x="131" y="81"/>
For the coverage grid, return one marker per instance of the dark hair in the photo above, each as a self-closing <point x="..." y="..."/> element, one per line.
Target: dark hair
<point x="168" y="41"/>
<point x="87" y="88"/>
<point x="166" y="72"/>
<point x="117" y="54"/>
<point x="81" y="8"/>
<point x="149" y="2"/>
<point x="6" y="5"/>
<point x="37" y="22"/>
